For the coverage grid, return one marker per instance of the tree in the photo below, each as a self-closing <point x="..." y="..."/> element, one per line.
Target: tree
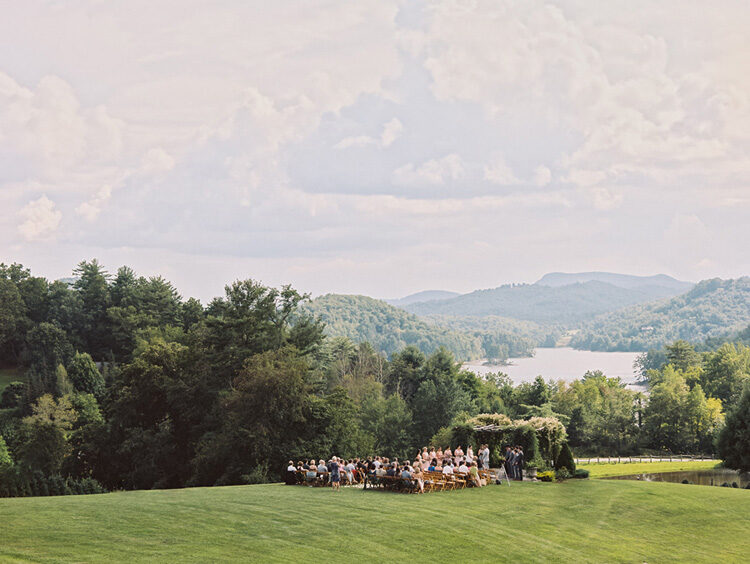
<point x="725" y="372"/>
<point x="5" y="459"/>
<point x="92" y="289"/>
<point x="682" y="355"/>
<point x="12" y="320"/>
<point x="733" y="443"/>
<point x="84" y="375"/>
<point x="565" y="459"/>
<point x="264" y="420"/>
<point x="43" y="443"/>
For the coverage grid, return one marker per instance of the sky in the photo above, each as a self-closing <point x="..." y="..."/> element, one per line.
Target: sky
<point x="375" y="147"/>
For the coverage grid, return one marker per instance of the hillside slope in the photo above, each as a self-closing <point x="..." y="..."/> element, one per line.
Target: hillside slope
<point x="543" y="304"/>
<point x="712" y="308"/>
<point x="388" y="328"/>
<point x="557" y="279"/>
<point x="577" y="521"/>
<point x="424" y="296"/>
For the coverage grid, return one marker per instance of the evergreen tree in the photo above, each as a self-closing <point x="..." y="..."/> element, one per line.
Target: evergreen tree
<point x="734" y="439"/>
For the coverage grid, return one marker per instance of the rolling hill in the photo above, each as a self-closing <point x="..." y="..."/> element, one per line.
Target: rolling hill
<point x="570" y="304"/>
<point x="388" y="328"/>
<point x="424" y="296"/>
<point x="712" y="308"/>
<point x="557" y="279"/>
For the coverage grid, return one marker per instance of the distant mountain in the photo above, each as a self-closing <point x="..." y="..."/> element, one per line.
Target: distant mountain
<point x="712" y="308"/>
<point x="424" y="296"/>
<point x="569" y="304"/>
<point x="557" y="279"/>
<point x="387" y="328"/>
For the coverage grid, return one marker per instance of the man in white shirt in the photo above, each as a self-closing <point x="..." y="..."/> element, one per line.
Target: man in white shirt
<point x="463" y="468"/>
<point x="447" y="469"/>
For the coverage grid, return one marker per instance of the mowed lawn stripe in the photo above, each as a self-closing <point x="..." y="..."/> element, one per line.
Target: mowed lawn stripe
<point x="575" y="521"/>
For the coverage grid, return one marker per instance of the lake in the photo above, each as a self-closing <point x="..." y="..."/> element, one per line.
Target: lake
<point x="563" y="363"/>
<point x="715" y="477"/>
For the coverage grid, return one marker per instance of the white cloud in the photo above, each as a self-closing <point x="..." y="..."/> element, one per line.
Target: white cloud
<point x="542" y="176"/>
<point x="432" y="172"/>
<point x="499" y="172"/>
<point x="41" y="219"/>
<point x="391" y="131"/>
<point x="90" y="210"/>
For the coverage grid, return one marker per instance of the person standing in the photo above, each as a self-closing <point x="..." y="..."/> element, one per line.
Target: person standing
<point x="485" y="457"/>
<point x="508" y="462"/>
<point x="521" y="462"/>
<point x="335" y="474"/>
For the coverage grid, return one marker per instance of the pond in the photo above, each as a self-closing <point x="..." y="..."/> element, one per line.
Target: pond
<point x="562" y="363"/>
<point x="714" y="477"/>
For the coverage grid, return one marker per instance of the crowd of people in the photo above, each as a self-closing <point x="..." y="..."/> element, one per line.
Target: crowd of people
<point x="355" y="470"/>
<point x="514" y="461"/>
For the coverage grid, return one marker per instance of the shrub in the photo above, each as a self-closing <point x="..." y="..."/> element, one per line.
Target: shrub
<point x="546" y="476"/>
<point x="565" y="460"/>
<point x="581" y="473"/>
<point x="562" y="474"/>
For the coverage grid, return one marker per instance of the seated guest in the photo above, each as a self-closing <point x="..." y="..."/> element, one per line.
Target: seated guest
<point x="291" y="474"/>
<point x="392" y="470"/>
<point x="447" y="469"/>
<point x="311" y="474"/>
<point x="380" y="471"/>
<point x="322" y="468"/>
<point x="463" y="468"/>
<point x="419" y="477"/>
<point x="405" y="472"/>
<point x="432" y="466"/>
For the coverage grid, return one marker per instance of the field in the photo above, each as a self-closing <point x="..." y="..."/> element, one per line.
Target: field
<point x="574" y="521"/>
<point x="627" y="468"/>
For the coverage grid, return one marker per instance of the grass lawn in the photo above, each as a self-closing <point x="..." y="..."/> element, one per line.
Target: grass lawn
<point x="8" y="375"/>
<point x="627" y="468"/>
<point x="575" y="521"/>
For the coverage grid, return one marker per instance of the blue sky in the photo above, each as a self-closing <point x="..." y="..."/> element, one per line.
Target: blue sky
<point x="375" y="147"/>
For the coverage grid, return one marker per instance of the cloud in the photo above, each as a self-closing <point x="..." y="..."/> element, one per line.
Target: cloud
<point x="432" y="172"/>
<point x="90" y="210"/>
<point x="391" y="131"/>
<point x="42" y="219"/>
<point x="499" y="172"/>
<point x="542" y="176"/>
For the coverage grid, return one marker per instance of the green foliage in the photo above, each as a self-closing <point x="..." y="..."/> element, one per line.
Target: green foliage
<point x="733" y="442"/>
<point x="6" y="461"/>
<point x="12" y="395"/>
<point x="388" y="328"/>
<point x="712" y="308"/>
<point x="84" y="375"/>
<point x="548" y="476"/>
<point x="565" y="460"/>
<point x="581" y="473"/>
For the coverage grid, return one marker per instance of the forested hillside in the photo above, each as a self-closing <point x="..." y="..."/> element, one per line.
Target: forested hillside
<point x="543" y="304"/>
<point x="621" y="280"/>
<point x="387" y="328"/>
<point x="712" y="308"/>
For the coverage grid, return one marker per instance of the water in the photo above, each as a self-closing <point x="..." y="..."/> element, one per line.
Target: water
<point x="563" y="363"/>
<point x="715" y="477"/>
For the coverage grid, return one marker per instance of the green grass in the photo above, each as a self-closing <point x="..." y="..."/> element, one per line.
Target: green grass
<point x="627" y="468"/>
<point x="575" y="521"/>
<point x="8" y="375"/>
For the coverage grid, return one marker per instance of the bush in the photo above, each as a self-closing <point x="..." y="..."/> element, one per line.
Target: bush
<point x="562" y="474"/>
<point x="581" y="473"/>
<point x="565" y="460"/>
<point x="546" y="476"/>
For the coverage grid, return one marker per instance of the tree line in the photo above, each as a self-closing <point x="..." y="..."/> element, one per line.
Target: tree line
<point x="128" y="386"/>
